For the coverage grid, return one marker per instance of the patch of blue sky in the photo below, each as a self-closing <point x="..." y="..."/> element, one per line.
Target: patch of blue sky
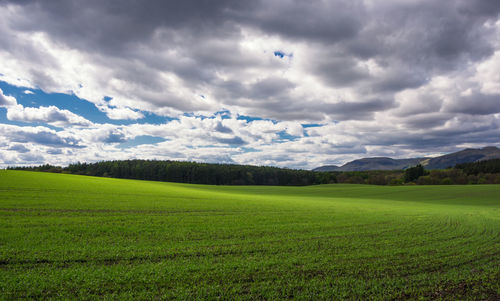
<point x="312" y="125"/>
<point x="224" y="114"/>
<point x="250" y="150"/>
<point x="202" y="117"/>
<point x="149" y="118"/>
<point x="73" y="104"/>
<point x="284" y="136"/>
<point x="282" y="54"/>
<point x="63" y="101"/>
<point x="253" y="118"/>
<point x="279" y="54"/>
<point x="140" y="140"/>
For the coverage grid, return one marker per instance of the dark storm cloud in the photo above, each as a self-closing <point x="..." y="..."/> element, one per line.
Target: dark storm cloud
<point x="480" y="7"/>
<point x="116" y="25"/>
<point x="323" y="21"/>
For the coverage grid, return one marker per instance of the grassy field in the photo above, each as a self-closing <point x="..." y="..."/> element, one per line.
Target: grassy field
<point x="67" y="236"/>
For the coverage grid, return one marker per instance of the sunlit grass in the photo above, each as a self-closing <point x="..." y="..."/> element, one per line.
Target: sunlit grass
<point x="66" y="236"/>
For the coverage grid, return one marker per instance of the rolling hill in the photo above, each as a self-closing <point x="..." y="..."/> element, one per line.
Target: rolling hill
<point x="69" y="237"/>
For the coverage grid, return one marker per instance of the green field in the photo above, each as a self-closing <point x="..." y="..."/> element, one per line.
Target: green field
<point x="67" y="236"/>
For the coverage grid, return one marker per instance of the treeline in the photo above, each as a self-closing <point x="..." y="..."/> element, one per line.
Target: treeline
<point x="483" y="172"/>
<point x="188" y="172"/>
<point x="218" y="174"/>
<point x="482" y="167"/>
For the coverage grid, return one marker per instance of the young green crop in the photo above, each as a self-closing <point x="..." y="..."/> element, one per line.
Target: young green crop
<point x="66" y="236"/>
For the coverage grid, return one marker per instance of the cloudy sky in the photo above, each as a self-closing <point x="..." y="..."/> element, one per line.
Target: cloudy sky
<point x="286" y="83"/>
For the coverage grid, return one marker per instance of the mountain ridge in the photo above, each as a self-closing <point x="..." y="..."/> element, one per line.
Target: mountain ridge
<point x="448" y="160"/>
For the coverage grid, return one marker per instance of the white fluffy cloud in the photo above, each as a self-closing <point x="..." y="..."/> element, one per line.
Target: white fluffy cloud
<point x="50" y="115"/>
<point x="6" y="100"/>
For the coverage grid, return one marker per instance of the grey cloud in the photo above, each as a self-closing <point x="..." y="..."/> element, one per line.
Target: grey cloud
<point x="489" y="8"/>
<point x="338" y="71"/>
<point x="294" y="109"/>
<point x="398" y="80"/>
<point x="476" y="104"/>
<point x="456" y="130"/>
<point x="357" y="110"/>
<point x="263" y="89"/>
<point x="221" y="158"/>
<point x="232" y="141"/>
<point x="269" y="87"/>
<point x="114" y="137"/>
<point x="31" y="158"/>
<point x="123" y="23"/>
<point x="25" y="135"/>
<point x="421" y="104"/>
<point x="426" y="121"/>
<point x="47" y="138"/>
<point x="54" y="151"/>
<point x="324" y="21"/>
<point x="222" y="129"/>
<point x="19" y="148"/>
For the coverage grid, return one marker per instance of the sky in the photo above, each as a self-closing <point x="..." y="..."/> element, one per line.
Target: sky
<point x="296" y="84"/>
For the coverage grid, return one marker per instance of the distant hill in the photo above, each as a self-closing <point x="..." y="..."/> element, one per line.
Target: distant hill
<point x="327" y="168"/>
<point x="377" y="163"/>
<point x="441" y="162"/>
<point x="464" y="156"/>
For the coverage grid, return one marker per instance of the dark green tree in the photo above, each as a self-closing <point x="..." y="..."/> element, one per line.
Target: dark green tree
<point x="413" y="173"/>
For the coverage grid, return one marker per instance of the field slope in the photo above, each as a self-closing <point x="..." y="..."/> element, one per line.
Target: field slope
<point x="67" y="236"/>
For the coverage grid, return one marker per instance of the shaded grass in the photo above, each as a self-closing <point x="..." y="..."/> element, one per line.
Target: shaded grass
<point x="66" y="236"/>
